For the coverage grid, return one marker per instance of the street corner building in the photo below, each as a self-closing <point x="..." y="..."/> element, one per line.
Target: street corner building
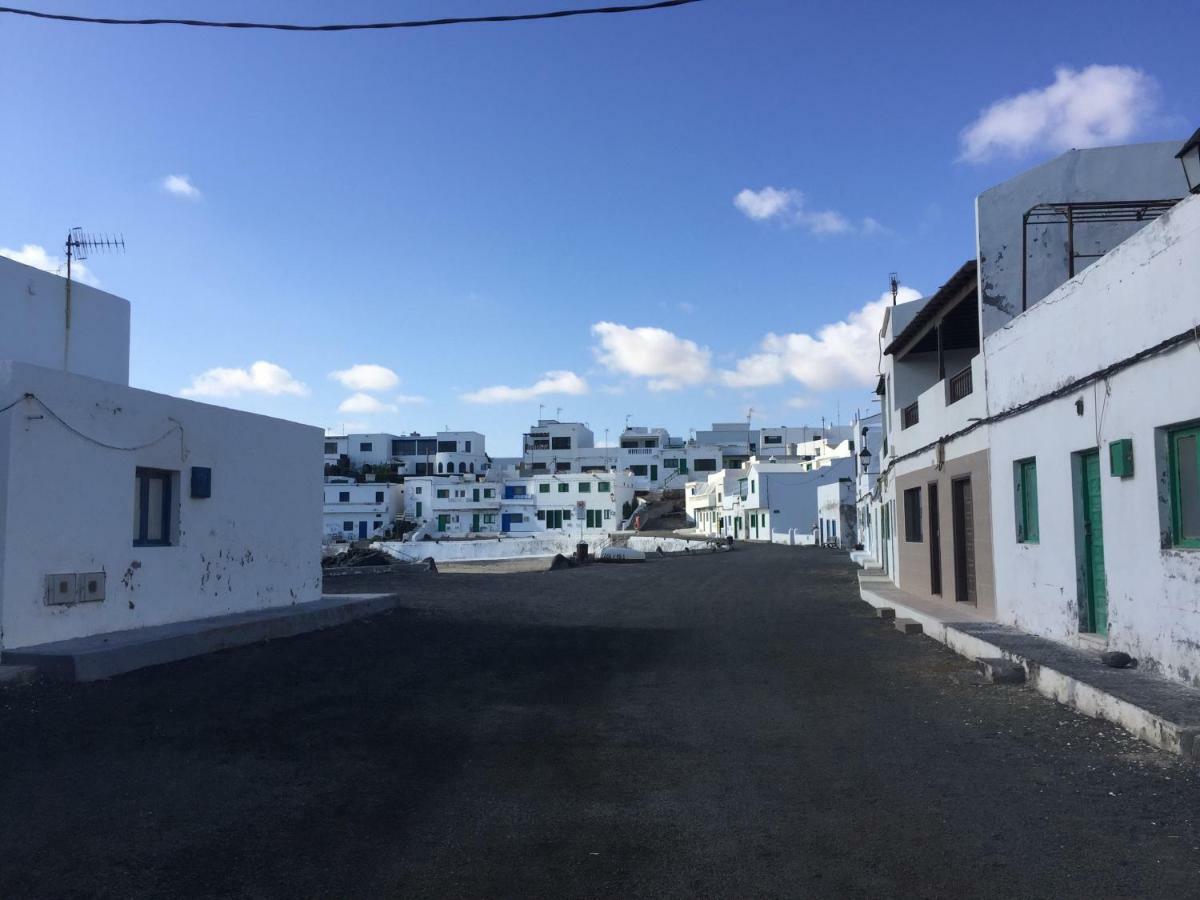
<point x="1040" y="414"/>
<point x="121" y="508"/>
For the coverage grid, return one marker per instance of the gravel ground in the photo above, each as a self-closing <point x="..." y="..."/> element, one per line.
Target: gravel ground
<point x="735" y="725"/>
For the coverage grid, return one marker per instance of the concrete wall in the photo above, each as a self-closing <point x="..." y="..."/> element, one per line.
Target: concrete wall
<point x="914" y="570"/>
<point x="1138" y="295"/>
<point x="1132" y="172"/>
<point x="68" y="506"/>
<point x="33" y="324"/>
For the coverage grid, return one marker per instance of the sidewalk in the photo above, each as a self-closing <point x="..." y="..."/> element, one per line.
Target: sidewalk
<point x="1160" y="712"/>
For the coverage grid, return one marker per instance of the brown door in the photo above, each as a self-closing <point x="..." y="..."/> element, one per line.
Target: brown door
<point x="963" y="512"/>
<point x="935" y="542"/>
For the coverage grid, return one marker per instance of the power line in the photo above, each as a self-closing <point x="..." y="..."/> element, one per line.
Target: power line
<point x="362" y="26"/>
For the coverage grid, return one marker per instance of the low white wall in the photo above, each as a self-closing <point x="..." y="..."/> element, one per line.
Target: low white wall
<point x="67" y="506"/>
<point x="793" y="538"/>
<point x="510" y="546"/>
<point x="668" y="545"/>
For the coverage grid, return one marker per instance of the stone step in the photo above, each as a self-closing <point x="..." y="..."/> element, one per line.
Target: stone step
<point x="885" y="612"/>
<point x="105" y="655"/>
<point x="998" y="670"/>
<point x="17" y="674"/>
<point x="907" y="626"/>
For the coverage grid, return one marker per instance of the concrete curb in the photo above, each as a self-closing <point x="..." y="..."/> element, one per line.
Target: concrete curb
<point x="1181" y="739"/>
<point x="105" y="655"/>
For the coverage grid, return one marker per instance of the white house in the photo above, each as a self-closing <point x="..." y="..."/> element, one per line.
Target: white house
<point x="446" y="453"/>
<point x="122" y="508"/>
<point x="453" y="504"/>
<point x="360" y="511"/>
<point x="836" y="522"/>
<point x="555" y="447"/>
<point x="1095" y="450"/>
<point x="572" y="502"/>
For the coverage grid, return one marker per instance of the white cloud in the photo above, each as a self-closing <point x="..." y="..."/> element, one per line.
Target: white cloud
<point x="669" y="361"/>
<point x="767" y="203"/>
<point x="365" y="404"/>
<point x="841" y="353"/>
<point x="789" y="207"/>
<point x="260" y="378"/>
<point x="873" y="226"/>
<point x="1086" y="108"/>
<point x="366" y="377"/>
<point x="36" y="256"/>
<point x="181" y="186"/>
<point x="558" y="382"/>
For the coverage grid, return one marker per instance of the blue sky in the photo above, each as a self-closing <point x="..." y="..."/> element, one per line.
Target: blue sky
<point x="575" y="210"/>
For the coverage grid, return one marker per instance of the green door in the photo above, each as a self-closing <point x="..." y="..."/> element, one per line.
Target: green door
<point x="1094" y="615"/>
<point x="442" y="520"/>
<point x="474" y="521"/>
<point x="654" y="473"/>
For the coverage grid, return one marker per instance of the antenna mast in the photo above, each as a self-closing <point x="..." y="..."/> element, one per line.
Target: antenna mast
<point x="78" y="245"/>
<point x="895" y="282"/>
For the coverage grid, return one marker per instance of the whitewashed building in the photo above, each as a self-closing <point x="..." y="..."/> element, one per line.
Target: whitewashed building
<point x="358" y="511"/>
<point x="836" y="521"/>
<point x="552" y="447"/>
<point x="452" y="504"/>
<point x="1095" y="448"/>
<point x="445" y="453"/>
<point x="122" y="508"/>
<point x="571" y="502"/>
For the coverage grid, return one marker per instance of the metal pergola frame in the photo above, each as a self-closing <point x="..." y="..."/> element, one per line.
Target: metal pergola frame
<point x="1071" y="214"/>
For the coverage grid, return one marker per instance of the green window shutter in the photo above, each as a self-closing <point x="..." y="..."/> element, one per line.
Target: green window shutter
<point x="544" y="488"/>
<point x="1019" y="500"/>
<point x="563" y="487"/>
<point x="603" y="486"/>
<point x="1031" y="503"/>
<point x="1025" y="482"/>
<point x="585" y="487"/>
<point x="1184" y="463"/>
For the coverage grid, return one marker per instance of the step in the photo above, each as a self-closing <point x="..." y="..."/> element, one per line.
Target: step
<point x="10" y="675"/>
<point x="885" y="612"/>
<point x="104" y="655"/>
<point x="907" y="626"/>
<point x="999" y="670"/>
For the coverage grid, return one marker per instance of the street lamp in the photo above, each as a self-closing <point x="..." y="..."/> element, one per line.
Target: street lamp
<point x="1189" y="158"/>
<point x="864" y="456"/>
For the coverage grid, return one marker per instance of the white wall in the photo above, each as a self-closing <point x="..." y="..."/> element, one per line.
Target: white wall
<point x="33" y="324"/>
<point x="1131" y="172"/>
<point x="1133" y="298"/>
<point x="68" y="506"/>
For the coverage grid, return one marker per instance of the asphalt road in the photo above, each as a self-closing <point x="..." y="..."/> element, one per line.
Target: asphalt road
<point x="736" y="726"/>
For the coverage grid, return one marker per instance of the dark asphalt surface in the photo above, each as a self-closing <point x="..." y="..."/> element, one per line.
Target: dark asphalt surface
<point x="736" y="726"/>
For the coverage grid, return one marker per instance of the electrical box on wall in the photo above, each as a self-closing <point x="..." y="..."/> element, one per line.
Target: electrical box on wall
<point x="62" y="588"/>
<point x="201" y="482"/>
<point x="74" y="587"/>
<point x="1120" y="458"/>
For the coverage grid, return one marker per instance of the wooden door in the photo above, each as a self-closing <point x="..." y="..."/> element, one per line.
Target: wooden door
<point x="935" y="542"/>
<point x="963" y="513"/>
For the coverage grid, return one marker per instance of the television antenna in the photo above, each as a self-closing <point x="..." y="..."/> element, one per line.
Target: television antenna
<point x="79" y="244"/>
<point x="894" y="279"/>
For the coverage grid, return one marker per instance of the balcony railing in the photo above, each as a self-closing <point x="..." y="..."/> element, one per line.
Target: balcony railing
<point x="959" y="386"/>
<point x="910" y="416"/>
